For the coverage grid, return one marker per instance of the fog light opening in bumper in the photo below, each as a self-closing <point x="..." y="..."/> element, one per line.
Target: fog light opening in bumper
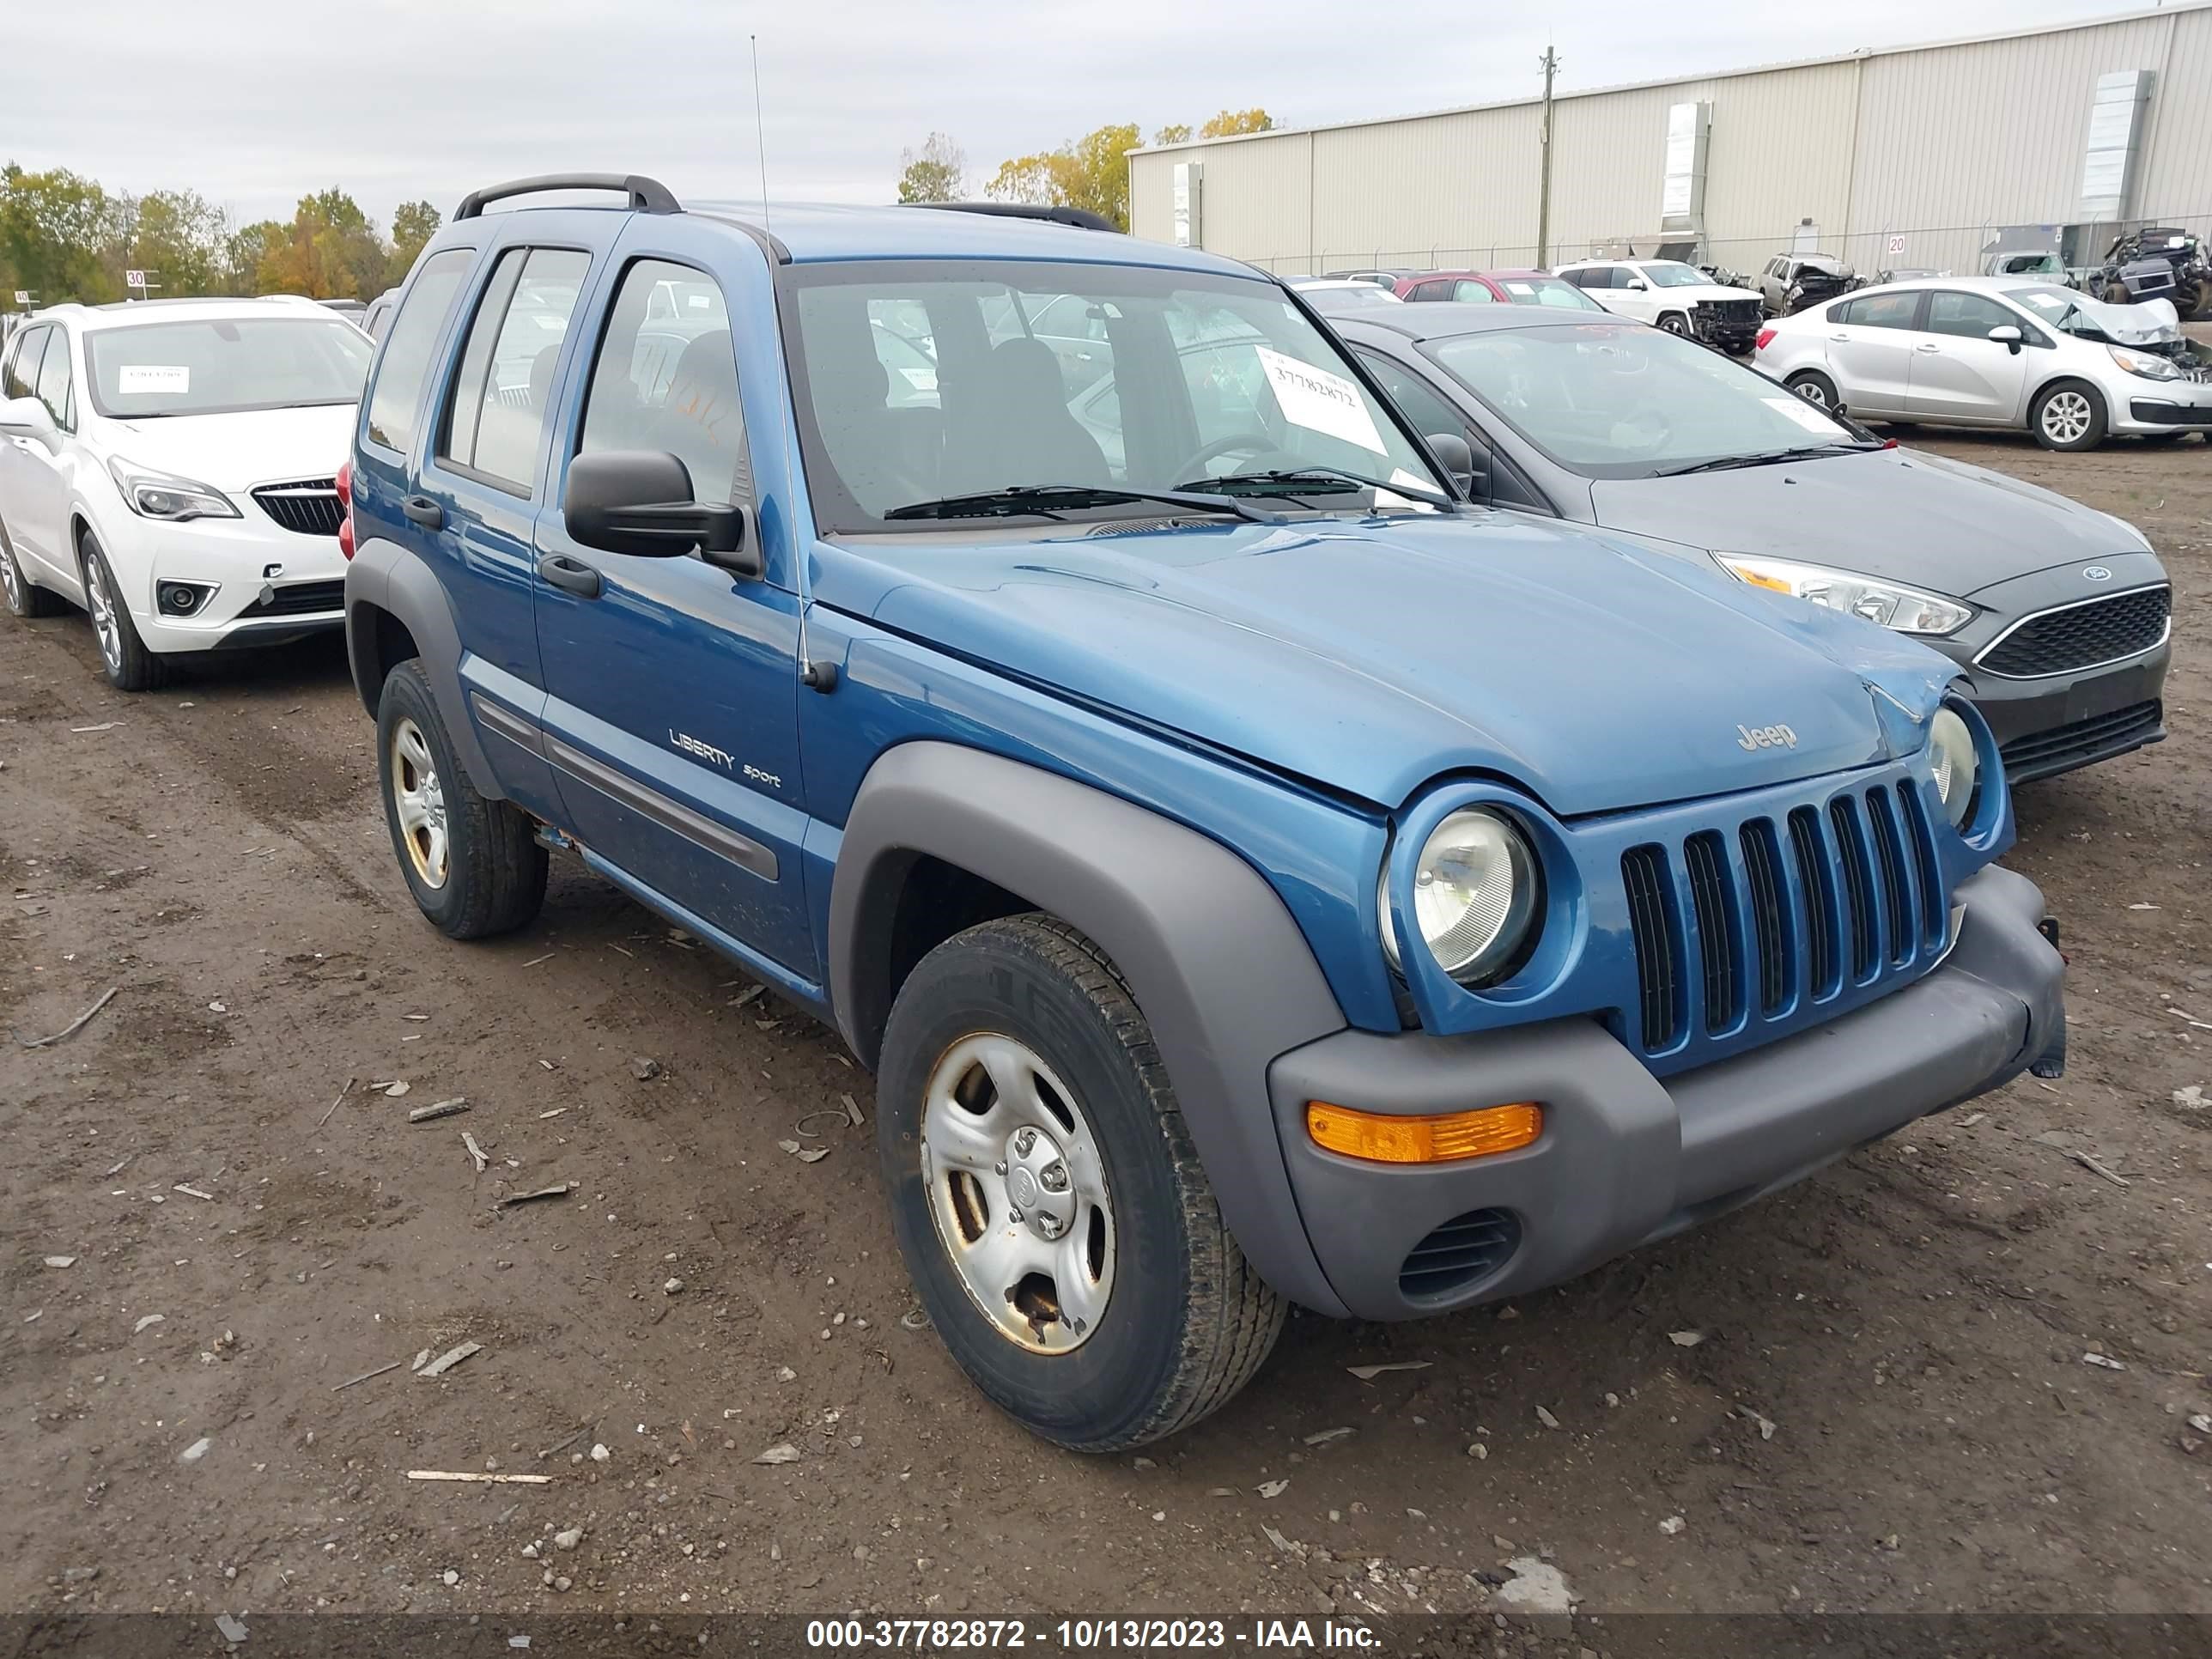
<point x="181" y="599"/>
<point x="1448" y="1138"/>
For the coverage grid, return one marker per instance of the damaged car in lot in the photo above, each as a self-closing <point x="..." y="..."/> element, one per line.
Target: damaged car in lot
<point x="1255" y="876"/>
<point x="1997" y="351"/>
<point x="2055" y="613"/>
<point x="1791" y="282"/>
<point x="1669" y="295"/>
<point x="2157" y="262"/>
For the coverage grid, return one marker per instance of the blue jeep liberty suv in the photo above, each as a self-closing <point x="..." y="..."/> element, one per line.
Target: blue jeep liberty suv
<point x="1255" y="872"/>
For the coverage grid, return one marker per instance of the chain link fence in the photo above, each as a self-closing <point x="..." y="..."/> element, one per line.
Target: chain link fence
<point x="1951" y="250"/>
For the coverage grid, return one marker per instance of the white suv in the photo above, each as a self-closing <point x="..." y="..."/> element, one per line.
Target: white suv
<point x="1669" y="295"/>
<point x="170" y="466"/>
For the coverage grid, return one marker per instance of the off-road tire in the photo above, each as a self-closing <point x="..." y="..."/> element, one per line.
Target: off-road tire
<point x="24" y="598"/>
<point x="1806" y="383"/>
<point x="495" y="866"/>
<point x="2087" y="435"/>
<point x="129" y="665"/>
<point x="1188" y="1322"/>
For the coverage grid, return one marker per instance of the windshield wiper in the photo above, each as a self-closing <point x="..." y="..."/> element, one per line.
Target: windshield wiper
<point x="1728" y="462"/>
<point x="1321" y="481"/>
<point x="1043" y="498"/>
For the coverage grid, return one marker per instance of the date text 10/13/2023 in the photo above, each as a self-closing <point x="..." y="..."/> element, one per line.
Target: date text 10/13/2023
<point x="938" y="1635"/>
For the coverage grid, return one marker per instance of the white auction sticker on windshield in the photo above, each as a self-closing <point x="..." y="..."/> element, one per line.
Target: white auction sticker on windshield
<point x="1320" y="401"/>
<point x="133" y="378"/>
<point x="1803" y="413"/>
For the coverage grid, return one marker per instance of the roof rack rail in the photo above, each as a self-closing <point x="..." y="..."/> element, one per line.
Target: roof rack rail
<point x="645" y="195"/>
<point x="1081" y="218"/>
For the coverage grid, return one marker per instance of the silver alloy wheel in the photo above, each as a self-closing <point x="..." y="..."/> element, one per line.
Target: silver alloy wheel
<point x="1018" y="1189"/>
<point x="421" y="802"/>
<point x="101" y="601"/>
<point x="2066" y="417"/>
<point x="11" y="579"/>
<point x="1811" y="392"/>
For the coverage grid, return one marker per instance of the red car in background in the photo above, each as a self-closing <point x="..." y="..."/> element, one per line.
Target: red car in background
<point x="1508" y="288"/>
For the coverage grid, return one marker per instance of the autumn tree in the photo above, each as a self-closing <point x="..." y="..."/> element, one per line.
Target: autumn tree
<point x="937" y="172"/>
<point x="1091" y="172"/>
<point x="413" y="224"/>
<point x="178" y="235"/>
<point x="331" y="251"/>
<point x="1177" y="134"/>
<point x="1232" y="121"/>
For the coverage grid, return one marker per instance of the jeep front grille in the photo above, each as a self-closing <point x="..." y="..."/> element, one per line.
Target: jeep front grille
<point x="1731" y="935"/>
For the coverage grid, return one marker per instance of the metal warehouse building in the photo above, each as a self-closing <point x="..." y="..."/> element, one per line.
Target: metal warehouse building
<point x="1910" y="156"/>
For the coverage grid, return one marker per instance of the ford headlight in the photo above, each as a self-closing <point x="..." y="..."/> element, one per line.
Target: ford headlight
<point x="2148" y="364"/>
<point x="1902" y="610"/>
<point x="1951" y="750"/>
<point x="1475" y="894"/>
<point x="154" y="495"/>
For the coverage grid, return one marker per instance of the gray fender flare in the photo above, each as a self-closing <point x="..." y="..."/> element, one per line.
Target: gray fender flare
<point x="1222" y="972"/>
<point x="388" y="576"/>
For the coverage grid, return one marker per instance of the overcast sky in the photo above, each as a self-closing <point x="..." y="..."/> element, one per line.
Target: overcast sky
<point x="256" y="102"/>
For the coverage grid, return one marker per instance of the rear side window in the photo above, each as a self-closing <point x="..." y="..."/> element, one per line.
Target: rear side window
<point x="505" y="382"/>
<point x="1880" y="310"/>
<point x="1476" y="294"/>
<point x="54" y="382"/>
<point x="414" y="335"/>
<point x="22" y="377"/>
<point x="666" y="379"/>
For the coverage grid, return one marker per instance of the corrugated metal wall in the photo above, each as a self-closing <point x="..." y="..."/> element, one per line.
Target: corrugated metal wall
<point x="1931" y="147"/>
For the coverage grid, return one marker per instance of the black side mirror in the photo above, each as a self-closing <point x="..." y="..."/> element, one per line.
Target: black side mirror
<point x="639" y="502"/>
<point x="1469" y="467"/>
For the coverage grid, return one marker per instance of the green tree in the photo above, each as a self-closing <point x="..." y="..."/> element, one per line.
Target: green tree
<point x="937" y="172"/>
<point x="1177" y="134"/>
<point x="179" y="235"/>
<point x="54" y="227"/>
<point x="413" y="224"/>
<point x="1091" y="173"/>
<point x="1232" y="121"/>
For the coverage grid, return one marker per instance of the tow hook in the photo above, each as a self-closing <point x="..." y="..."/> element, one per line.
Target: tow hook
<point x="2052" y="1060"/>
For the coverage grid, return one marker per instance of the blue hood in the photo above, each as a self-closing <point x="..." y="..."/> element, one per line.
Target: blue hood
<point x="1373" y="655"/>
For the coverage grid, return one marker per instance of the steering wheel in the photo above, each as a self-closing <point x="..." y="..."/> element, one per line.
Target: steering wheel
<point x="1258" y="443"/>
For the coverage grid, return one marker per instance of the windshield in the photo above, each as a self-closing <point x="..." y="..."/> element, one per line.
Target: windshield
<point x="927" y="381"/>
<point x="1545" y="291"/>
<point x="224" y="366"/>
<point x="1665" y="273"/>
<point x="1610" y="400"/>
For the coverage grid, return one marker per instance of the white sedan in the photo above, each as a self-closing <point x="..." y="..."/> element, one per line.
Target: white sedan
<point x="2019" y="352"/>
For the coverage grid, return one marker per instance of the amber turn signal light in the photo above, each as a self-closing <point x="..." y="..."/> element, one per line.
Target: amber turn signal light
<point x="1386" y="1138"/>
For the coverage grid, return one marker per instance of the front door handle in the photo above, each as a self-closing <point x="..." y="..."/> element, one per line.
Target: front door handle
<point x="573" y="575"/>
<point x="1924" y="346"/>
<point x="424" y="511"/>
<point x="1845" y="339"/>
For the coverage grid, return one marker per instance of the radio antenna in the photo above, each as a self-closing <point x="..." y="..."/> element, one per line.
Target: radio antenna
<point x="760" y="134"/>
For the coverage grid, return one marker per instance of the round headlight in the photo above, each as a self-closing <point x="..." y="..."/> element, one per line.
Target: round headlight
<point x="1951" y="749"/>
<point x="1474" y="896"/>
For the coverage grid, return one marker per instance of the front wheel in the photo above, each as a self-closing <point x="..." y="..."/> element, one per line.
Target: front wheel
<point x="1675" y="323"/>
<point x="129" y="666"/>
<point x="2069" y="415"/>
<point x="1047" y="1199"/>
<point x="473" y="864"/>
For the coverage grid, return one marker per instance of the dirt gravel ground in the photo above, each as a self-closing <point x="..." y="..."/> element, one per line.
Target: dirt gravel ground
<point x="1885" y="1404"/>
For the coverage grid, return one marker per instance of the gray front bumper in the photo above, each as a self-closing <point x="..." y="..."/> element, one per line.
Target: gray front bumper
<point x="1626" y="1158"/>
